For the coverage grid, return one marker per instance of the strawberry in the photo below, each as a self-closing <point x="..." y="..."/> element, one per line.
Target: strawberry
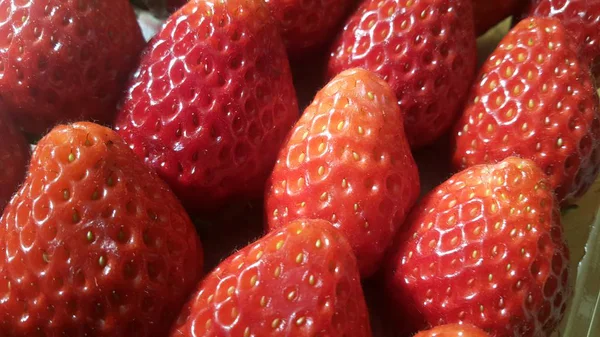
<point x="485" y="248"/>
<point x="305" y="25"/>
<point x="93" y="243"/>
<point x="14" y="155"/>
<point x="489" y="13"/>
<point x="453" y="330"/>
<point x="211" y="102"/>
<point x="425" y="49"/>
<point x="581" y="18"/>
<point x="300" y="280"/>
<point x="65" y="60"/>
<point x="534" y="99"/>
<point x="160" y="8"/>
<point x="347" y="161"/>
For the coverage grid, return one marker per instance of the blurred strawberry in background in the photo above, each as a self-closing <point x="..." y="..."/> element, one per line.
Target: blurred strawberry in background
<point x="14" y="156"/>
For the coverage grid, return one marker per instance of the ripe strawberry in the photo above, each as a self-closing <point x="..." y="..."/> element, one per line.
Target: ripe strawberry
<point x="426" y="51"/>
<point x="93" y="244"/>
<point x="65" y="60"/>
<point x="347" y="161"/>
<point x="308" y="24"/>
<point x="14" y="155"/>
<point x="534" y="99"/>
<point x="485" y="248"/>
<point x="453" y="330"/>
<point x="212" y="101"/>
<point x="301" y="280"/>
<point x="581" y="18"/>
<point x="489" y="13"/>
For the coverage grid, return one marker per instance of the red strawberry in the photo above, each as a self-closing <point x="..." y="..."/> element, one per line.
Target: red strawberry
<point x="489" y="13"/>
<point x="212" y="101"/>
<point x="347" y="161"/>
<point x="93" y="244"/>
<point x="485" y="248"/>
<point x="308" y="24"/>
<point x="160" y="7"/>
<point x="301" y="280"/>
<point x="581" y="18"/>
<point x="425" y="49"/>
<point x="65" y="60"/>
<point x="453" y="330"/>
<point x="534" y="99"/>
<point x="14" y="154"/>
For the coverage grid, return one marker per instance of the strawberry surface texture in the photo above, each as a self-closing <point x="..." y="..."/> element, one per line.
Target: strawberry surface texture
<point x="581" y="18"/>
<point x="485" y="248"/>
<point x="211" y="102"/>
<point x="425" y="50"/>
<point x="14" y="156"/>
<point x="533" y="98"/>
<point x="453" y="330"/>
<point x="65" y="60"/>
<point x="347" y="161"/>
<point x="300" y="280"/>
<point x="93" y="243"/>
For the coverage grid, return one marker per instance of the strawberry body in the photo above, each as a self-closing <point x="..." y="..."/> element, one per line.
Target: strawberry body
<point x="424" y="49"/>
<point x="160" y="8"/>
<point x="307" y="24"/>
<point x="300" y="280"/>
<point x="93" y="243"/>
<point x="14" y="155"/>
<point x="212" y="101"/>
<point x="485" y="248"/>
<point x="65" y="60"/>
<point x="489" y="13"/>
<point x="347" y="161"/>
<point x="534" y="99"/>
<point x="581" y="18"/>
<point x="453" y="330"/>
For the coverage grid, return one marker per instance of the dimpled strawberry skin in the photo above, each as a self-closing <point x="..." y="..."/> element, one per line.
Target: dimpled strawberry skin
<point x="14" y="155"/>
<point x="453" y="330"/>
<point x="65" y="60"/>
<point x="424" y="49"/>
<point x="93" y="243"/>
<point x="486" y="248"/>
<point x="534" y="99"/>
<point x="211" y="101"/>
<point x="307" y="24"/>
<point x="347" y="161"/>
<point x="581" y="18"/>
<point x="301" y="280"/>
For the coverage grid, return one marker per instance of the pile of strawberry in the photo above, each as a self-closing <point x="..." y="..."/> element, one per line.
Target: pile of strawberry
<point x="203" y="123"/>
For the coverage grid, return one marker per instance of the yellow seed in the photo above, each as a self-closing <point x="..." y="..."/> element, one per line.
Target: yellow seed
<point x="299" y="258"/>
<point x="497" y="225"/>
<point x="355" y="155"/>
<point x="300" y="321"/>
<point x="321" y="147"/>
<point x="531" y="104"/>
<point x="277" y="272"/>
<point x="304" y="135"/>
<point x="247" y="332"/>
<point x="370" y="95"/>
<point x="454" y="241"/>
<point x="513" y="232"/>
<point x="521" y="57"/>
<point x="275" y="323"/>
<point x="321" y="170"/>
<point x="340" y="125"/>
<point x="301" y="182"/>
<point x="318" y="244"/>
<point x="540" y="58"/>
<point x="253" y="281"/>
<point x="508" y="266"/>
<point x="474" y="254"/>
<point x="490" y="128"/>
<point x="71" y="157"/>
<point x="210" y="299"/>
<point x="230" y="290"/>
<point x="355" y="207"/>
<point x="524" y="127"/>
<point x="510" y="47"/>
<point x="490" y="277"/>
<point x="323" y="196"/>
<point x="517" y="90"/>
<point x="360" y="130"/>
<point x="344" y="183"/>
<point x="550" y="45"/>
<point x="291" y="295"/>
<point x="559" y="142"/>
<point x="279" y="245"/>
<point x="311" y="280"/>
<point x="263" y="301"/>
<point x="544" y="87"/>
<point x="480" y="116"/>
<point x="493" y="85"/>
<point x="259" y="255"/>
<point x="494" y="208"/>
<point x="301" y="157"/>
<point x="509" y="71"/>
<point x="530" y="42"/>
<point x="208" y="324"/>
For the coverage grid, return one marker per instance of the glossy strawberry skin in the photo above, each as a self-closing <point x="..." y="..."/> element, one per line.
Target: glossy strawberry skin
<point x="534" y="99"/>
<point x="65" y="60"/>
<point x="489" y="13"/>
<point x="581" y="18"/>
<point x="93" y="243"/>
<point x="426" y="51"/>
<point x="300" y="280"/>
<point x="485" y="248"/>
<point x="347" y="161"/>
<point x="14" y="155"/>
<point x="305" y="25"/>
<point x="211" y="102"/>
<point x="453" y="330"/>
